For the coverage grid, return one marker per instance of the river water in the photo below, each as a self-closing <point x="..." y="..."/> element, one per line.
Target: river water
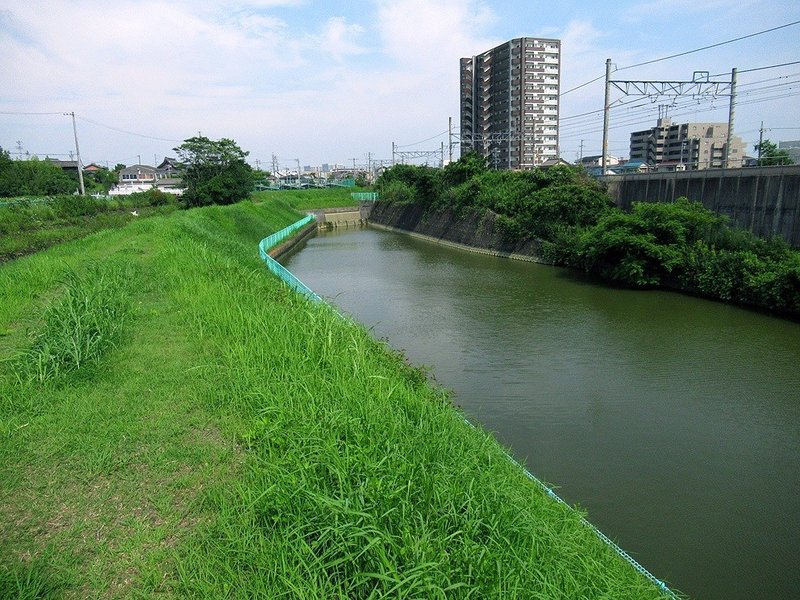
<point x="674" y="421"/>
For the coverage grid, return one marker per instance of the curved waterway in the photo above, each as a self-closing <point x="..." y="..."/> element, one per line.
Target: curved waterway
<point x="674" y="421"/>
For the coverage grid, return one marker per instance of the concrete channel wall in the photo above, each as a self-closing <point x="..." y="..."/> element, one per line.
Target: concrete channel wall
<point x="763" y="200"/>
<point x="348" y="216"/>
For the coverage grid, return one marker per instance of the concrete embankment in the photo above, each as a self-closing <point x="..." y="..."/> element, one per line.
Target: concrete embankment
<point x="345" y="216"/>
<point x="763" y="200"/>
<point x="305" y="233"/>
<point x="468" y="230"/>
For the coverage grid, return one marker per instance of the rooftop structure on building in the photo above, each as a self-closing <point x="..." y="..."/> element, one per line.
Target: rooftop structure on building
<point x="510" y="103"/>
<point x="792" y="148"/>
<point x="686" y="146"/>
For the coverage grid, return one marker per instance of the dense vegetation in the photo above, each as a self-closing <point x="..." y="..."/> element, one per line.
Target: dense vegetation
<point x="31" y="224"/>
<point x="33" y="177"/>
<point x="680" y="245"/>
<point x="214" y="171"/>
<point x="174" y="422"/>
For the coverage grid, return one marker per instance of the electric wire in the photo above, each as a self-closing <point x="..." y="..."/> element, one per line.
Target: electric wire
<point x="141" y="135"/>
<point x="655" y="60"/>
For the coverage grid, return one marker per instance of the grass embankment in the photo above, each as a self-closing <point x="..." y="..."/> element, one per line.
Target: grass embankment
<point x="30" y="226"/>
<point x="176" y="423"/>
<point x="308" y="199"/>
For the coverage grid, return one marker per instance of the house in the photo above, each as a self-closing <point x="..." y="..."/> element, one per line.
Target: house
<point x="69" y="166"/>
<point x="140" y="178"/>
<point x="169" y="165"/>
<point x="597" y="161"/>
<point x="632" y="166"/>
<point x="92" y="168"/>
<point x="552" y="162"/>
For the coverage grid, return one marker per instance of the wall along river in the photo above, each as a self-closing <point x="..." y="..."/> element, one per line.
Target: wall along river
<point x="675" y="421"/>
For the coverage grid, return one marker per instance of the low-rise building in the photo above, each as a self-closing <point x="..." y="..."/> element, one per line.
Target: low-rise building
<point x="140" y="178"/>
<point x="686" y="146"/>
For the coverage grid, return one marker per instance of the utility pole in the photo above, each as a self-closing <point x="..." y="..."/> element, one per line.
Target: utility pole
<point x="606" y="109"/>
<point x="450" y="136"/>
<point x="78" y="153"/>
<point x="731" y="110"/>
<point x="760" y="141"/>
<point x="369" y="166"/>
<point x="393" y="145"/>
<point x="298" y="170"/>
<point x="274" y="165"/>
<point x="442" y="163"/>
<point x="580" y="157"/>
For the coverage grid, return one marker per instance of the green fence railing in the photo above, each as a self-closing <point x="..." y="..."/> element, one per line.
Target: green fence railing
<point x="364" y="196"/>
<point x="277" y="268"/>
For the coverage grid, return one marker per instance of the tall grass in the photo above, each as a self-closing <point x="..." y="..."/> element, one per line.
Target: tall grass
<point x="363" y="482"/>
<point x="309" y="199"/>
<point x="343" y="475"/>
<point x="81" y="325"/>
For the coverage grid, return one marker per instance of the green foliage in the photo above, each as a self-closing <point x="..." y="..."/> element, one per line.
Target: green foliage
<point x="771" y="155"/>
<point x="214" y="171"/>
<point x="681" y="245"/>
<point x="32" y="177"/>
<point x="687" y="246"/>
<point x="240" y="442"/>
<point x="99" y="181"/>
<point x="153" y="197"/>
<point x="81" y="325"/>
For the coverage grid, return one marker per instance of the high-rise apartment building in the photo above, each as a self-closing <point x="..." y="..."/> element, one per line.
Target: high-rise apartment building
<point x="693" y="145"/>
<point x="509" y="103"/>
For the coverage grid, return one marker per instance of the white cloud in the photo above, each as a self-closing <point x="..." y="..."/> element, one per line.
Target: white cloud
<point x="338" y="39"/>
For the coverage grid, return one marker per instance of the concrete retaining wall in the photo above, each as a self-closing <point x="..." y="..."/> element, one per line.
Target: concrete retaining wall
<point x="468" y="230"/>
<point x="763" y="200"/>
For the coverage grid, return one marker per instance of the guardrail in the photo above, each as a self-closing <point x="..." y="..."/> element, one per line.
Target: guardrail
<point x="364" y="196"/>
<point x="284" y="274"/>
<point x="277" y="268"/>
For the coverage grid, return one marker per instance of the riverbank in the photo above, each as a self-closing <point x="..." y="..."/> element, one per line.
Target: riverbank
<point x="217" y="435"/>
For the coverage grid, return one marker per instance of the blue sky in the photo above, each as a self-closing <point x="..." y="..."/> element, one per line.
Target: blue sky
<point x="332" y="81"/>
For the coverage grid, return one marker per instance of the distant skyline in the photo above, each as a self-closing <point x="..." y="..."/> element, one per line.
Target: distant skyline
<point x="327" y="82"/>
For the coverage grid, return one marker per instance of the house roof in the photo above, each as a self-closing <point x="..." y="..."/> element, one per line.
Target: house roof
<point x="552" y="162"/>
<point x="64" y="164"/>
<point x="169" y="161"/>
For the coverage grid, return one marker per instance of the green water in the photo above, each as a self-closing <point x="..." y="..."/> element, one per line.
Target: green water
<point x="674" y="421"/>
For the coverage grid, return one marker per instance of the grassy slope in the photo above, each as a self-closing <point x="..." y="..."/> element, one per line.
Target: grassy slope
<point x="230" y="440"/>
<point x="26" y="232"/>
<point x="308" y="199"/>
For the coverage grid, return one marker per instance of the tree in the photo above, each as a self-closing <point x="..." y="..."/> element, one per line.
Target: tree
<point x="770" y="155"/>
<point x="214" y="171"/>
<point x="32" y="177"/>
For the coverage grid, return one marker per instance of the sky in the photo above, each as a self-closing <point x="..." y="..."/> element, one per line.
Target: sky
<point x="333" y="82"/>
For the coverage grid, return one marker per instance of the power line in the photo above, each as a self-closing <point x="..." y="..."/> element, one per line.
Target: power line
<point x="796" y="62"/>
<point x="8" y="112"/>
<point x="141" y="135"/>
<point x="655" y="60"/>
<point x="744" y="37"/>
<point x="425" y="140"/>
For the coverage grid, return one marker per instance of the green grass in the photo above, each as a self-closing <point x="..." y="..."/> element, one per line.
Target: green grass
<point x="308" y="199"/>
<point x="221" y="437"/>
<point x="27" y="227"/>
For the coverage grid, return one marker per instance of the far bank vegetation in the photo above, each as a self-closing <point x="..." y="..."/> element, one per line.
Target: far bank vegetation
<point x="679" y="245"/>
